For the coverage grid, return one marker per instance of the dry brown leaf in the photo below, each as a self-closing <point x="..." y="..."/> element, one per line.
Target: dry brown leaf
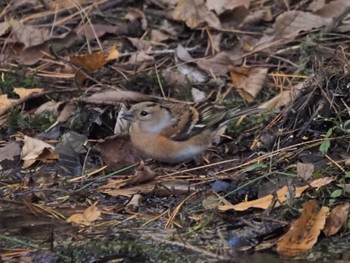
<point x="217" y="65"/>
<point x="195" y="14"/>
<point x="334" y="9"/>
<point x="158" y="36"/>
<point x="281" y="195"/>
<point x="32" y="150"/>
<point x="141" y="182"/>
<point x="49" y="106"/>
<point x="248" y="81"/>
<point x="66" y="112"/>
<point x="5" y="102"/>
<point x="173" y="77"/>
<point x="224" y="5"/>
<point x="304" y="231"/>
<point x="89" y="215"/>
<point x="288" y="25"/>
<point x="9" y="151"/>
<point x="29" y="56"/>
<point x="256" y="17"/>
<point x="4" y="27"/>
<point x="337" y="219"/>
<point x="140" y="44"/>
<point x="140" y="57"/>
<point x="29" y="36"/>
<point x="305" y="170"/>
<point x="22" y="92"/>
<point x="316" y="5"/>
<point x="92" y="62"/>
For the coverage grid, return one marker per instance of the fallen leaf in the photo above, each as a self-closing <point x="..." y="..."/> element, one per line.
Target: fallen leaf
<point x="304" y="231"/>
<point x="29" y="36"/>
<point x="288" y="25"/>
<point x="4" y="27"/>
<point x="190" y="72"/>
<point x="140" y="44"/>
<point x="66" y="112"/>
<point x="23" y="92"/>
<point x="217" y="65"/>
<point x="337" y="219"/>
<point x="248" y="81"/>
<point x="5" y="102"/>
<point x="140" y="57"/>
<point x="195" y="14"/>
<point x="92" y="62"/>
<point x="89" y="215"/>
<point x="305" y="170"/>
<point x="281" y="196"/>
<point x="9" y="151"/>
<point x="224" y="5"/>
<point x="316" y="5"/>
<point x="33" y="149"/>
<point x="141" y="182"/>
<point x="49" y="106"/>
<point x="158" y="36"/>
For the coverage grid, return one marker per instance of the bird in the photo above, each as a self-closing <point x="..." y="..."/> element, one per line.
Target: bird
<point x="172" y="132"/>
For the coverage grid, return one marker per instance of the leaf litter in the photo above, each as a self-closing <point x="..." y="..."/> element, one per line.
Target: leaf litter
<point x="68" y="72"/>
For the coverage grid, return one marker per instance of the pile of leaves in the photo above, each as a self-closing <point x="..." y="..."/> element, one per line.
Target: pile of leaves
<point x="73" y="187"/>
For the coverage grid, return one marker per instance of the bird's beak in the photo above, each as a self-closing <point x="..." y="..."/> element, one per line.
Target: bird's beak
<point x="128" y="115"/>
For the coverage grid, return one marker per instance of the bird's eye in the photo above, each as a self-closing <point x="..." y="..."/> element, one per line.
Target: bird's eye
<point x="144" y="113"/>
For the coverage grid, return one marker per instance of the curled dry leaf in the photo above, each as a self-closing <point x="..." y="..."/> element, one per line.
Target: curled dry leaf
<point x="92" y="62"/>
<point x="248" y="81"/>
<point x="89" y="215"/>
<point x="337" y="219"/>
<point x="304" y="231"/>
<point x="34" y="149"/>
<point x="195" y="14"/>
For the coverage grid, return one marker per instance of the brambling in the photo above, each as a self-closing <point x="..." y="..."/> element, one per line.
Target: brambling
<point x="175" y="132"/>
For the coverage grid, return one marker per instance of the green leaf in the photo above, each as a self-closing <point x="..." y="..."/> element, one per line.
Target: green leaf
<point x="337" y="193"/>
<point x="324" y="147"/>
<point x="347" y="174"/>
